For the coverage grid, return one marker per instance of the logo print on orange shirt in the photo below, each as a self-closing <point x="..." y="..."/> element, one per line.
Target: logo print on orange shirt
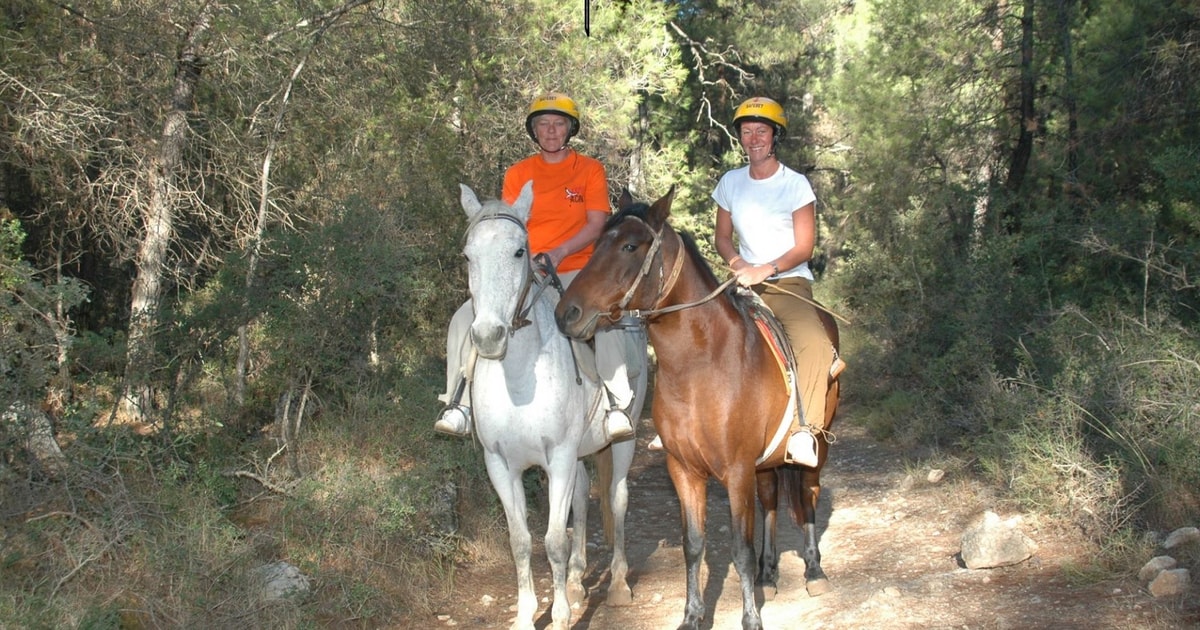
<point x="574" y="196"/>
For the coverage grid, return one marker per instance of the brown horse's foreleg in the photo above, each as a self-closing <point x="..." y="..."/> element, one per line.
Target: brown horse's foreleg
<point x="814" y="578"/>
<point x="768" y="559"/>
<point x="741" y="486"/>
<point x="604" y="477"/>
<point x="693" y="494"/>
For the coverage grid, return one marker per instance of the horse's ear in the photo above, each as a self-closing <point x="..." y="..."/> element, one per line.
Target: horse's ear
<point x="470" y="202"/>
<point x="524" y="202"/>
<point x="625" y="200"/>
<point x="661" y="209"/>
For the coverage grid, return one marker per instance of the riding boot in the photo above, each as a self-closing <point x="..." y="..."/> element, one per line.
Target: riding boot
<point x="455" y="418"/>
<point x="617" y="425"/>
<point x="802" y="448"/>
<point x="836" y="368"/>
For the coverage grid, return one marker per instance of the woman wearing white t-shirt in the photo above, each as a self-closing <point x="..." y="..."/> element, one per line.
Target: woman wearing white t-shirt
<point x="771" y="210"/>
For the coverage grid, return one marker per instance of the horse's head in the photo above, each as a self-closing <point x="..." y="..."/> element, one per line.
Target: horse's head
<point x="625" y="271"/>
<point x="498" y="268"/>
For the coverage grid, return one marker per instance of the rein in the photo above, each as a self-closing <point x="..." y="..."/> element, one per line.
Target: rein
<point x="669" y="283"/>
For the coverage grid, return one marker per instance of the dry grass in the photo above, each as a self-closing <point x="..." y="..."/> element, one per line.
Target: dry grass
<point x="141" y="533"/>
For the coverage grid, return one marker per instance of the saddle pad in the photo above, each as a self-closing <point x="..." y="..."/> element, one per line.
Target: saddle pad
<point x="772" y="332"/>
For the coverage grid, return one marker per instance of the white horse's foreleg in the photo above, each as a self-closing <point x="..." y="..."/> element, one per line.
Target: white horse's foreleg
<point x="558" y="548"/>
<point x="511" y="490"/>
<point x="576" y="594"/>
<point x="619" y="593"/>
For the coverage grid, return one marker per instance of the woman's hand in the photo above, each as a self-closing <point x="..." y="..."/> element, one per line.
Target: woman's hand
<point x="749" y="275"/>
<point x="555" y="255"/>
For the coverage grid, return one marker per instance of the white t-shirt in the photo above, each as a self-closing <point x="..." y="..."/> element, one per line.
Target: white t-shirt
<point x="761" y="210"/>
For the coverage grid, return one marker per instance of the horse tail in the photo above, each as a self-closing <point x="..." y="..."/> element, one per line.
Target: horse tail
<point x="604" y="474"/>
<point x="800" y="485"/>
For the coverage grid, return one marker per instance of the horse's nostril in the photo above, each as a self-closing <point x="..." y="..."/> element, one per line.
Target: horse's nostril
<point x="565" y="316"/>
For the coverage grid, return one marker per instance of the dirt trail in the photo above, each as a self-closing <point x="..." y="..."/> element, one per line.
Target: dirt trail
<point x="888" y="539"/>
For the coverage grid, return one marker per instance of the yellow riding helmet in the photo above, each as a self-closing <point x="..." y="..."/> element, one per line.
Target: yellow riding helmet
<point x="553" y="103"/>
<point x="764" y="110"/>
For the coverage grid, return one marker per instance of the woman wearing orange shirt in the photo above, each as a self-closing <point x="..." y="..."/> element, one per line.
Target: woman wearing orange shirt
<point x="570" y="206"/>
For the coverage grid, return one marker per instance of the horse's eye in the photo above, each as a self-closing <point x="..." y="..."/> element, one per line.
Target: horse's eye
<point x="629" y="247"/>
<point x="520" y="253"/>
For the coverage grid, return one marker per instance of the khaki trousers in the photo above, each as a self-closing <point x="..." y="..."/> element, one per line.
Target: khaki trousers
<point x="813" y="350"/>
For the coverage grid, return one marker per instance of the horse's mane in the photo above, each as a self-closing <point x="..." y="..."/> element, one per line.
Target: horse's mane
<point x="638" y="210"/>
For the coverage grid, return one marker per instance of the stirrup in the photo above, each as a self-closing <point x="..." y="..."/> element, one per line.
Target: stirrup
<point x="655" y="444"/>
<point x="617" y="425"/>
<point x="802" y="449"/>
<point x="454" y="420"/>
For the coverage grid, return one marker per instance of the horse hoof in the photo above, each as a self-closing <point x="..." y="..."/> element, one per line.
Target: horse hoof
<point x="576" y="596"/>
<point x="619" y="598"/>
<point x="817" y="587"/>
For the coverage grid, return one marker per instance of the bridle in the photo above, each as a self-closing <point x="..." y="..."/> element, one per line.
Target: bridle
<point x="666" y="281"/>
<point x="541" y="262"/>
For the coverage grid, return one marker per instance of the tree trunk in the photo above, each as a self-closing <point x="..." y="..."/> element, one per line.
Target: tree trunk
<point x="260" y="226"/>
<point x="1019" y="162"/>
<point x="636" y="177"/>
<point x="260" y="223"/>
<point x="1066" y="9"/>
<point x="159" y="222"/>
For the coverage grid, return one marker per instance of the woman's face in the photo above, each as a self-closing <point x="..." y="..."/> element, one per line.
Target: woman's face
<point x="551" y="131"/>
<point x="758" y="139"/>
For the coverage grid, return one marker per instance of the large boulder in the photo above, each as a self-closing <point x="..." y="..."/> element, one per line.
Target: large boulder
<point x="1182" y="536"/>
<point x="1156" y="565"/>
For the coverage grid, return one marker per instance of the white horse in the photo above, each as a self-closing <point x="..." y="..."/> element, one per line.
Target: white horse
<point x="532" y="407"/>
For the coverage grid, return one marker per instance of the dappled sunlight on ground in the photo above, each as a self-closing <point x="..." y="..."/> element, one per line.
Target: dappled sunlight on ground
<point x="889" y="541"/>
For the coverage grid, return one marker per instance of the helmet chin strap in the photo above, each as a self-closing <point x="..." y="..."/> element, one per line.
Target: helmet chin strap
<point x="558" y="150"/>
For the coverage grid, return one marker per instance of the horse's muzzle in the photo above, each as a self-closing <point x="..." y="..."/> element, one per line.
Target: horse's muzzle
<point x="490" y="341"/>
<point x="571" y="322"/>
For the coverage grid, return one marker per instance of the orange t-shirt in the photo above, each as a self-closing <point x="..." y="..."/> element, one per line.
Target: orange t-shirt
<point x="563" y="194"/>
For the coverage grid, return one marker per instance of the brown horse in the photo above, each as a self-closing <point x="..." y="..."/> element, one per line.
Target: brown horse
<point x="719" y="393"/>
